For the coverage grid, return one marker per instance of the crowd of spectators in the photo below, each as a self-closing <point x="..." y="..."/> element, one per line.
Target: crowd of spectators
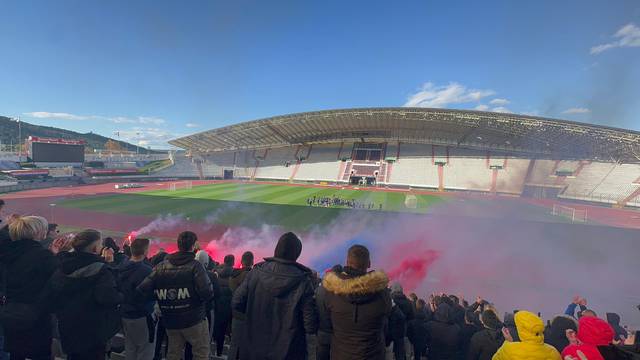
<point x="79" y="291"/>
<point x="336" y="201"/>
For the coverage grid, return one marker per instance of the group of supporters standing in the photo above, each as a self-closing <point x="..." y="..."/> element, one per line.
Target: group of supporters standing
<point x="83" y="290"/>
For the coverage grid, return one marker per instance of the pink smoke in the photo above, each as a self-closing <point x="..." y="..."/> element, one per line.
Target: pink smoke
<point x="414" y="269"/>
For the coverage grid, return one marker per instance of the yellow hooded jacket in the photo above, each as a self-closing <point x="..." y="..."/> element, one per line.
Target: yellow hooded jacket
<point x="531" y="345"/>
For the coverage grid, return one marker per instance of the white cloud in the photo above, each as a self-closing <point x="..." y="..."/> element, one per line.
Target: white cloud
<point x="576" y="110"/>
<point x="501" y="109"/>
<point x="626" y="36"/>
<point x="192" y="125"/>
<point x="150" y="120"/>
<point x="146" y="136"/>
<point x="145" y="120"/>
<point x="55" y="115"/>
<point x="434" y="96"/>
<point x="499" y="102"/>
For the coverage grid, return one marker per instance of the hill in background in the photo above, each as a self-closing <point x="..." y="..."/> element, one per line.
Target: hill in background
<point x="9" y="135"/>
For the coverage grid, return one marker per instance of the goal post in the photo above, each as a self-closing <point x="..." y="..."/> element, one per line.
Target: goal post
<point x="180" y="185"/>
<point x="570" y="213"/>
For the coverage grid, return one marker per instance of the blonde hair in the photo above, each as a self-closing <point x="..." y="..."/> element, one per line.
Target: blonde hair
<point x="28" y="228"/>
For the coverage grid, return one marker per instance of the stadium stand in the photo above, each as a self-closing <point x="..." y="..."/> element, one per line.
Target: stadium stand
<point x="430" y="148"/>
<point x="543" y="173"/>
<point x="277" y="163"/>
<point x="183" y="166"/>
<point x="413" y="168"/>
<point x="620" y="182"/>
<point x="588" y="180"/>
<point x="467" y="173"/>
<point x="512" y="176"/>
<point x="9" y="165"/>
<point x="322" y="164"/>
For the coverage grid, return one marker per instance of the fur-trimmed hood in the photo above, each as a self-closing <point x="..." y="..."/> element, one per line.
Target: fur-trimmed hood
<point x="345" y="284"/>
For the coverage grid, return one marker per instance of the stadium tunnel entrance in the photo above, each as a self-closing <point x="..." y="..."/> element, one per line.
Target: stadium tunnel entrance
<point x="362" y="180"/>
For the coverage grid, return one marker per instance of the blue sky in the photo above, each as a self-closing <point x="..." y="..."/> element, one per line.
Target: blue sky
<point x="155" y="70"/>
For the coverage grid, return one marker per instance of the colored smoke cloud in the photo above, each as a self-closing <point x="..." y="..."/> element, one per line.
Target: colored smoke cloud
<point x="162" y="223"/>
<point x="463" y="248"/>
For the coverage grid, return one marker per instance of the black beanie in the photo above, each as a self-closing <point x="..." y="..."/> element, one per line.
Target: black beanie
<point x="289" y="247"/>
<point x="490" y="319"/>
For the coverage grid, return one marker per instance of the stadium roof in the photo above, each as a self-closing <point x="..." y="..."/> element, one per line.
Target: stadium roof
<point x="512" y="133"/>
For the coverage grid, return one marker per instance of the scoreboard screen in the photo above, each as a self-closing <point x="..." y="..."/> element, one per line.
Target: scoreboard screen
<point x="51" y="152"/>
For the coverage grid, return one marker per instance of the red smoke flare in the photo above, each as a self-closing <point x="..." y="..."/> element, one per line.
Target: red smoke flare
<point x="413" y="269"/>
<point x="130" y="237"/>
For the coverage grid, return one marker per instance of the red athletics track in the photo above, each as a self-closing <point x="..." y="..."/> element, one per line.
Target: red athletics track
<point x="36" y="202"/>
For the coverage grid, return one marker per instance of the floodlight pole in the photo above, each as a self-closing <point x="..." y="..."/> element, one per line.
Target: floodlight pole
<point x="19" y="139"/>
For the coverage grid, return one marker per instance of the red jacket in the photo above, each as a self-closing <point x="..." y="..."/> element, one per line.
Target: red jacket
<point x="592" y="331"/>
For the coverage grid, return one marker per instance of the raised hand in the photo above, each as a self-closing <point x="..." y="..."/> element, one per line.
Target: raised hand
<point x="58" y="244"/>
<point x="583" y="302"/>
<point x="580" y="354"/>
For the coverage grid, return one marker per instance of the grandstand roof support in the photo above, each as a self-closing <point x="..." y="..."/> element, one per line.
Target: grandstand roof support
<point x="513" y="133"/>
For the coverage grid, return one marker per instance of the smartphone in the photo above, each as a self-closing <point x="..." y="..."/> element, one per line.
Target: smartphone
<point x="637" y="341"/>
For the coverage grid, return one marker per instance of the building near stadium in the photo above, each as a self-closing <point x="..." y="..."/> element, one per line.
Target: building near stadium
<point x="424" y="148"/>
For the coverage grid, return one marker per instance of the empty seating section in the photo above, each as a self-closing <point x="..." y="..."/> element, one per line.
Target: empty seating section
<point x="183" y="166"/>
<point x="392" y="150"/>
<point x="245" y="164"/>
<point x="590" y="176"/>
<point x="414" y="167"/>
<point x="215" y="164"/>
<point x="467" y="173"/>
<point x="347" y="148"/>
<point x="619" y="184"/>
<point x="497" y="160"/>
<point x="439" y="154"/>
<point x="568" y="166"/>
<point x="543" y="173"/>
<point x="606" y="183"/>
<point x="322" y="164"/>
<point x="511" y="178"/>
<point x="278" y="163"/>
<point x="463" y="169"/>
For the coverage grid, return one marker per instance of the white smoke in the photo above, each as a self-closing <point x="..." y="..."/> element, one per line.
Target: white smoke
<point x="161" y="223"/>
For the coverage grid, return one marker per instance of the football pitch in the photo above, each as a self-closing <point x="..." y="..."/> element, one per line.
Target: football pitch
<point x="252" y="204"/>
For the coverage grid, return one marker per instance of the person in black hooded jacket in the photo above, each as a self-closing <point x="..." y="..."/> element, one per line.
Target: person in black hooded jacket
<point x="402" y="347"/>
<point x="356" y="305"/>
<point x="467" y="329"/>
<point x="556" y="333"/>
<point x="443" y="334"/>
<point x="222" y="309"/>
<point x="182" y="288"/>
<point x="417" y="331"/>
<point x="138" y="324"/>
<point x="614" y="320"/>
<point x="85" y="298"/>
<point x="238" y="318"/>
<point x="277" y="300"/>
<point x="486" y="342"/>
<point x="27" y="267"/>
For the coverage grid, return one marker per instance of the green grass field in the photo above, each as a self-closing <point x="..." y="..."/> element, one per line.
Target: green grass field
<point x="248" y="204"/>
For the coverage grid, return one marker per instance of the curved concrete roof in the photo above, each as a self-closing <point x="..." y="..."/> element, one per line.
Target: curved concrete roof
<point x="535" y="136"/>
